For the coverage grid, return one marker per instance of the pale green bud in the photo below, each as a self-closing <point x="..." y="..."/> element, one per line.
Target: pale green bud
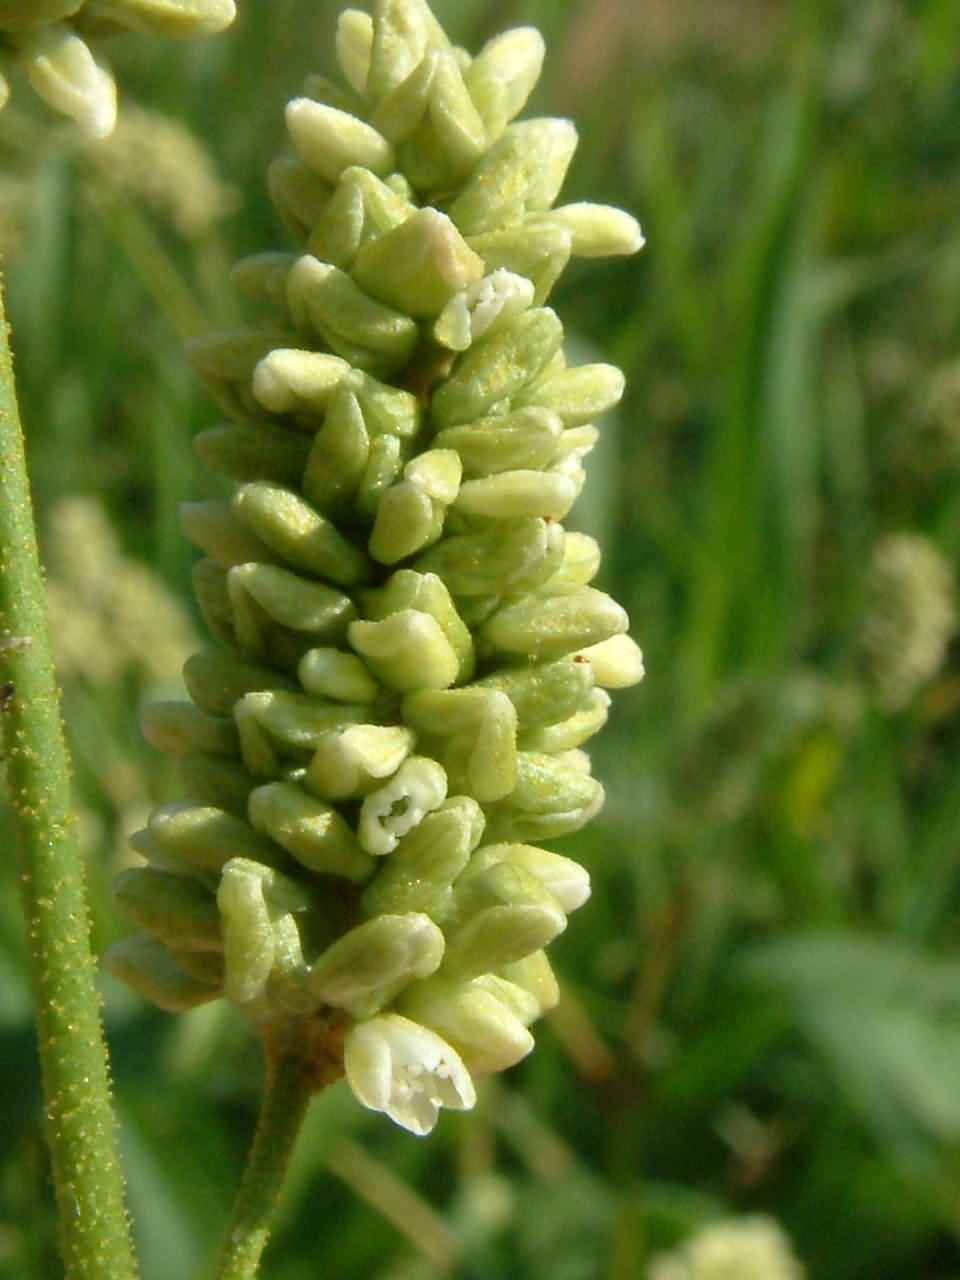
<point x="538" y="252"/>
<point x="404" y="31"/>
<point x="331" y="673"/>
<point x="451" y="137"/>
<point x="482" y="308"/>
<point x="597" y="230"/>
<point x="425" y="592"/>
<point x="503" y="75"/>
<point x="213" y="599"/>
<point x="570" y="733"/>
<point x="355" y="46"/>
<point x="547" y="693"/>
<point x="218" y="781"/>
<point x="497" y="935"/>
<point x="312" y="831"/>
<point x="147" y="965"/>
<point x="534" y="975"/>
<point x="386" y="409"/>
<point x="482" y="1028"/>
<point x="565" y="879"/>
<point x="523" y="1006"/>
<point x="271" y="723"/>
<point x="216" y="679"/>
<point x="382" y="469"/>
<point x="339" y="456"/>
<point x="552" y="628"/>
<point x="203" y="838"/>
<point x="262" y="594"/>
<point x="408" y="650"/>
<point x="517" y="441"/>
<point x="362" y="207"/>
<point x="180" y="727"/>
<point x="298" y="534"/>
<point x="580" y="564"/>
<point x="252" y="901"/>
<point x="419" y="265"/>
<point x="299" y="195"/>
<point x="553" y="797"/>
<point x="263" y="276"/>
<point x="371" y="964"/>
<point x="65" y="73"/>
<point x="484" y="724"/>
<point x="295" y="382"/>
<point x="177" y="909"/>
<point x="498" y="367"/>
<point x="418" y="874"/>
<point x="577" y="395"/>
<point x="517" y="493"/>
<point x="399" y="114"/>
<point x="165" y="17"/>
<point x="522" y="172"/>
<point x="213" y="527"/>
<point x="325" y="301"/>
<point x="616" y="663"/>
<point x="411" y="514"/>
<point x="332" y="94"/>
<point x="387" y="814"/>
<point x="261" y="452"/>
<point x="407" y="1071"/>
<point x="331" y="141"/>
<point x="515" y="557"/>
<point x="351" y="762"/>
<point x="227" y="361"/>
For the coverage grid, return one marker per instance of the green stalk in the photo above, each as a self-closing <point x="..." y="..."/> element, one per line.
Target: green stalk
<point x="287" y="1091"/>
<point x="94" y="1234"/>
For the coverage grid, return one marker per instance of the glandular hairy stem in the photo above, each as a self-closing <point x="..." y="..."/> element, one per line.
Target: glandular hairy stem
<point x="94" y="1233"/>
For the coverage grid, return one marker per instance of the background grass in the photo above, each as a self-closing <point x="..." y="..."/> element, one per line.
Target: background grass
<point x="762" y="1005"/>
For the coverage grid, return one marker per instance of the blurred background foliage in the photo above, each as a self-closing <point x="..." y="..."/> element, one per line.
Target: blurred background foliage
<point x="762" y="1002"/>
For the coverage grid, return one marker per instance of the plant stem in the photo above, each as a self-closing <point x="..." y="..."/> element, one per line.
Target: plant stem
<point x="94" y="1233"/>
<point x="287" y="1091"/>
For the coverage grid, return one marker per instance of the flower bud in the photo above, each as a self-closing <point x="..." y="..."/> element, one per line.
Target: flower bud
<point x="261" y="452"/>
<point x="526" y="439"/>
<point x="202" y="838"/>
<point x="497" y="367"/>
<point x="312" y="831"/>
<point x="418" y="874"/>
<point x="483" y="1029"/>
<point x="65" y="73"/>
<point x="419" y="266"/>
<point x="325" y="301"/>
<point x="331" y="141"/>
<point x="503" y="76"/>
<point x="351" y="762"/>
<point x="616" y="663"/>
<point x="145" y="964"/>
<point x="371" y="964"/>
<point x="178" y="910"/>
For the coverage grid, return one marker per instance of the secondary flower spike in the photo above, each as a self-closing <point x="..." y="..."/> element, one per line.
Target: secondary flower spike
<point x="51" y="41"/>
<point x="408" y="655"/>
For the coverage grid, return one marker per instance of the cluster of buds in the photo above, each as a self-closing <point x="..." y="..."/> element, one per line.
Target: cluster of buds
<point x="410" y="655"/>
<point x="49" y="39"/>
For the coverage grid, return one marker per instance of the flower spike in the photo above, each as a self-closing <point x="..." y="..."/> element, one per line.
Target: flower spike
<point x="410" y="654"/>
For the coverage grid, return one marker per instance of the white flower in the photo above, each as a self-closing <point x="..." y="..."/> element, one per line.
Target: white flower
<point x="396" y="1066"/>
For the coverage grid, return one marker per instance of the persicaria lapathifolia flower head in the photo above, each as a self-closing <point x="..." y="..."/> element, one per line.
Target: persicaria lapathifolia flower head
<point x="409" y="654"/>
<point x="50" y="40"/>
